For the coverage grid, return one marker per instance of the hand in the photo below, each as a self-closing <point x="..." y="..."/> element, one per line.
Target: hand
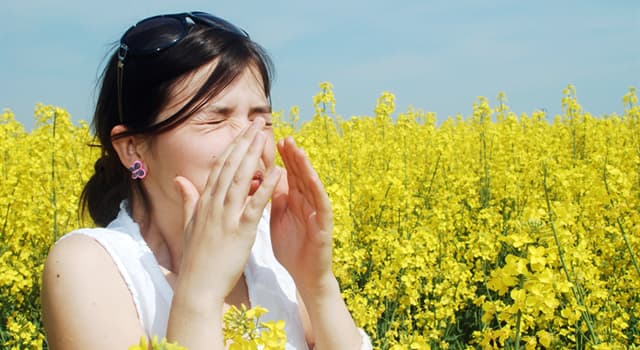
<point x="220" y="223"/>
<point x="302" y="221"/>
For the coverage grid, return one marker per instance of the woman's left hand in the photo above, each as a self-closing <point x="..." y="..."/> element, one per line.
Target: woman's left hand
<point x="302" y="221"/>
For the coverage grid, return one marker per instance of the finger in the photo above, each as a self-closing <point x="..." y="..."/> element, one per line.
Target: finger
<point x="281" y="151"/>
<point x="227" y="164"/>
<point x="255" y="206"/>
<point x="287" y="152"/>
<point x="297" y="159"/>
<point x="217" y="166"/>
<point x="298" y="174"/>
<point x="279" y="196"/>
<point x="221" y="159"/>
<point x="190" y="197"/>
<point x="310" y="180"/>
<point x="298" y="194"/>
<point x="305" y="188"/>
<point x="239" y="183"/>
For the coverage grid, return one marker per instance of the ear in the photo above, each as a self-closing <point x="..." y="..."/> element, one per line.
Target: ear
<point x="127" y="147"/>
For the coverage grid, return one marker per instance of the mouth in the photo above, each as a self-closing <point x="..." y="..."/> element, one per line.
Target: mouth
<point x="256" y="181"/>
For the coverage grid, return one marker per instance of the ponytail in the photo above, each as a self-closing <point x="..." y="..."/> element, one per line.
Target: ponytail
<point x="104" y="191"/>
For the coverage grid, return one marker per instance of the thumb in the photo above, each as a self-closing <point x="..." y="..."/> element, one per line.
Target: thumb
<point x="280" y="194"/>
<point x="190" y="197"/>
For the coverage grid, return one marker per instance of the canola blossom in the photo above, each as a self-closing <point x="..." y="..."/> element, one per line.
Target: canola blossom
<point x="242" y="331"/>
<point x="488" y="231"/>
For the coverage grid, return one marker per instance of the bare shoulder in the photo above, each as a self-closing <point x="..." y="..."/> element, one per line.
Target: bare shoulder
<point x="85" y="301"/>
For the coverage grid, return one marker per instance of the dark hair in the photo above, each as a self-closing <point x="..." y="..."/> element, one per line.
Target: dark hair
<point x="146" y="90"/>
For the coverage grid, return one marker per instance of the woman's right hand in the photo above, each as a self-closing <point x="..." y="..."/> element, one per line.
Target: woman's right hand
<point x="221" y="222"/>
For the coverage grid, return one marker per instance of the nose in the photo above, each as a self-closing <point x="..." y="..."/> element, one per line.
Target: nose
<point x="242" y="122"/>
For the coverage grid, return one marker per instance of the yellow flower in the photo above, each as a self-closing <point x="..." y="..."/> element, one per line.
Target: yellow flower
<point x="463" y="230"/>
<point x="545" y="338"/>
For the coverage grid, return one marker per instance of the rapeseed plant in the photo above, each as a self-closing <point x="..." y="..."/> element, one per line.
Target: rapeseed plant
<point x="496" y="230"/>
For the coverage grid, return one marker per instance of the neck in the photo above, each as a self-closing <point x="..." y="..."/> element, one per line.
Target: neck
<point x="162" y="231"/>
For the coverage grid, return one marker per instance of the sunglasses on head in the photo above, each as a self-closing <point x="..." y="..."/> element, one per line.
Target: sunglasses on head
<point x="158" y="33"/>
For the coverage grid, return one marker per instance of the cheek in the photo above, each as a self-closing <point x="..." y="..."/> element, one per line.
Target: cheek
<point x="196" y="169"/>
<point x="192" y="159"/>
<point x="199" y="159"/>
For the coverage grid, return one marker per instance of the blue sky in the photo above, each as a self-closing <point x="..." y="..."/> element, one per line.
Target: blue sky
<point x="434" y="55"/>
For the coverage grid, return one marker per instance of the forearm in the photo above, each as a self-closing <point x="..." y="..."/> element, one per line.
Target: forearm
<point x="332" y="323"/>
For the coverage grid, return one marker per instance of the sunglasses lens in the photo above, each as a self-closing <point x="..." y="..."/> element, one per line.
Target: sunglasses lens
<point x="154" y="34"/>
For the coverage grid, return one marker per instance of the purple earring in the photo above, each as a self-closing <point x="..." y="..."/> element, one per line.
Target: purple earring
<point x="137" y="170"/>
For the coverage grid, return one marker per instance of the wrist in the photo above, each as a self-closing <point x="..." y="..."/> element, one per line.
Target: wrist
<point x="195" y="323"/>
<point x="322" y="288"/>
<point x="197" y="301"/>
<point x="329" y="316"/>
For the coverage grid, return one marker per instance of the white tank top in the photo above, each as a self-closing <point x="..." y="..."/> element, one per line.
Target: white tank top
<point x="269" y="284"/>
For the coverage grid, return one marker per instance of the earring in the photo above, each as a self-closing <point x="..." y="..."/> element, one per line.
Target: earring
<point x="137" y="170"/>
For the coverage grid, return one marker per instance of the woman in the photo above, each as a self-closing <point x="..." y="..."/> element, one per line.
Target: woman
<point x="195" y="215"/>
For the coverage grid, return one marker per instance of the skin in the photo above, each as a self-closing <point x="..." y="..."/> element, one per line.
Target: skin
<point x="220" y="189"/>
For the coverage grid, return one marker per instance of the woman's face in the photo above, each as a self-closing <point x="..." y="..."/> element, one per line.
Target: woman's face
<point x="189" y="149"/>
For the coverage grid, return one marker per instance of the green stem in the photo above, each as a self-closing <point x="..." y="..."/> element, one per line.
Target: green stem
<point x="433" y="177"/>
<point x="326" y="128"/>
<point x="518" y="320"/>
<point x="519" y="316"/>
<point x="4" y="224"/>
<point x="626" y="242"/>
<point x="576" y="294"/>
<point x="485" y="182"/>
<point x="618" y="221"/>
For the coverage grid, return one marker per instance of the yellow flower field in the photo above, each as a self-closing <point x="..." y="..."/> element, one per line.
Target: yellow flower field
<point x="494" y="230"/>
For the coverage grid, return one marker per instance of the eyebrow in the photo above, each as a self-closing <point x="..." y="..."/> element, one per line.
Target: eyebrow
<point x="226" y="110"/>
<point x="260" y="109"/>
